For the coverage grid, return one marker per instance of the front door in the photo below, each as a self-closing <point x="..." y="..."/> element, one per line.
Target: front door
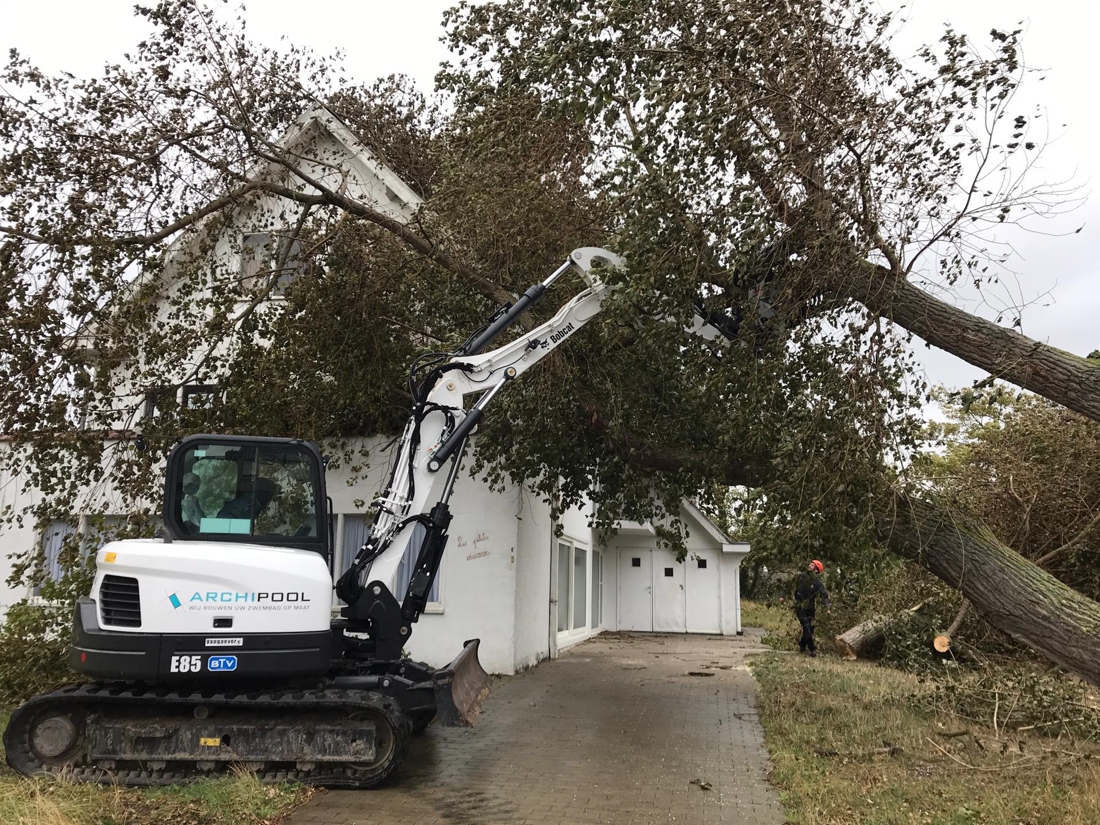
<point x="635" y="589"/>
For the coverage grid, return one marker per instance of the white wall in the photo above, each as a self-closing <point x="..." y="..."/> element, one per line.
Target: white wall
<point x="533" y="613"/>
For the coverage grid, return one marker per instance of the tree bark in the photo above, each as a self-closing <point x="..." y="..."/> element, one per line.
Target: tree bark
<point x="1061" y="376"/>
<point x="1009" y="591"/>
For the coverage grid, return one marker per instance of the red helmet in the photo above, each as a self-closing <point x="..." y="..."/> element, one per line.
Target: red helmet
<point x="817" y="565"/>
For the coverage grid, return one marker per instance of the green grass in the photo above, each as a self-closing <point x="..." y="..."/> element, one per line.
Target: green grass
<point x="850" y="744"/>
<point x="781" y="629"/>
<point x="236" y="800"/>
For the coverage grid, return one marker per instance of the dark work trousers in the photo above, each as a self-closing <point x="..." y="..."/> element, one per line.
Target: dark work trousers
<point x="806" y="619"/>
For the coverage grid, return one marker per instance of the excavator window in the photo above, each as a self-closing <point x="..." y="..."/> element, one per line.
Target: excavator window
<point x="256" y="490"/>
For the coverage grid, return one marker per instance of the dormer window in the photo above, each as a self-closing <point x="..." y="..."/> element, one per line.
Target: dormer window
<point x="260" y="255"/>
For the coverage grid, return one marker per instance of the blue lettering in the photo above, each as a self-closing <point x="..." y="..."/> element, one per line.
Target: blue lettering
<point x="242" y="597"/>
<point x="197" y="597"/>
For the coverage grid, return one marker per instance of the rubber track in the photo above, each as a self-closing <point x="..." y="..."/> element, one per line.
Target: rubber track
<point x="94" y="696"/>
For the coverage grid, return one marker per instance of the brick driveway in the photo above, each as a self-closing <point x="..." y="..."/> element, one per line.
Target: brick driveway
<point x="614" y="731"/>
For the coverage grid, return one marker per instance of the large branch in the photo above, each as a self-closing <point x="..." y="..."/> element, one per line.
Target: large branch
<point x="1010" y="592"/>
<point x="1056" y="374"/>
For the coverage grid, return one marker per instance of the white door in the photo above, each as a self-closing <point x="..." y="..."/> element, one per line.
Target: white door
<point x="635" y="589"/>
<point x="669" y="594"/>
<point x="701" y="569"/>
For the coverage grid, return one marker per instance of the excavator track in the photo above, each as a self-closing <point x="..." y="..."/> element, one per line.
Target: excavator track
<point x="137" y="735"/>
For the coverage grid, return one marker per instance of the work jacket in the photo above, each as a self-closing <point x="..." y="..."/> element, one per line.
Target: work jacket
<point x="806" y="588"/>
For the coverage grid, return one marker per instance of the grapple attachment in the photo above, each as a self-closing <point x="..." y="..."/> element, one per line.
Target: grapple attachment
<point x="461" y="688"/>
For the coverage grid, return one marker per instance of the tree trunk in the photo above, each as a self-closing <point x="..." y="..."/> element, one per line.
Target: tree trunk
<point x="865" y="639"/>
<point x="1010" y="592"/>
<point x="1061" y="376"/>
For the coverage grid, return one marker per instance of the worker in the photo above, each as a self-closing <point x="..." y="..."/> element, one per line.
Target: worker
<point x="253" y="495"/>
<point x="806" y="588"/>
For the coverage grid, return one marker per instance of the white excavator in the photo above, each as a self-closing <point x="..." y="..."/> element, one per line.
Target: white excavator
<point x="213" y="646"/>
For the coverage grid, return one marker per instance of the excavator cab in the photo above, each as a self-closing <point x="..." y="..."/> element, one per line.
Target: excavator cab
<point x="245" y="489"/>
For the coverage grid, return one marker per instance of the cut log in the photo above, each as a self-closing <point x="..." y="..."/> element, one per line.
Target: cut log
<point x="942" y="643"/>
<point x="868" y="637"/>
<point x="865" y="639"/>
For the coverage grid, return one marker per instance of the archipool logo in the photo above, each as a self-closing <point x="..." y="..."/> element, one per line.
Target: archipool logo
<point x="236" y="597"/>
<point x="175" y="600"/>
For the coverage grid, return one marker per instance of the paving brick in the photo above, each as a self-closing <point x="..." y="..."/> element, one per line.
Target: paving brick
<point x="612" y="732"/>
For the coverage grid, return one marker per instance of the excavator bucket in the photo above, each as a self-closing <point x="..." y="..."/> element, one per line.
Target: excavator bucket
<point x="461" y="688"/>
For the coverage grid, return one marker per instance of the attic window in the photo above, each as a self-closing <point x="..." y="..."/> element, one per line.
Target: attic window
<point x="702" y="564"/>
<point x="260" y="255"/>
<point x="200" y="397"/>
<point x="668" y="572"/>
<point x="635" y="562"/>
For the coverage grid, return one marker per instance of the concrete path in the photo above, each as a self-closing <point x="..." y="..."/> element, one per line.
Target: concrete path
<point x="617" y="730"/>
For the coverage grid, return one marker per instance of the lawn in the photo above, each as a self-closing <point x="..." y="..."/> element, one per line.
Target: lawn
<point x="852" y="742"/>
<point x="240" y="800"/>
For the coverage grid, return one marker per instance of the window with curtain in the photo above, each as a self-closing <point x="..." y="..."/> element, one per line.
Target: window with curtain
<point x="355" y="533"/>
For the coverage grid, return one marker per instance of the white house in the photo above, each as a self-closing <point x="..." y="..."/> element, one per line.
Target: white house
<point x="525" y="586"/>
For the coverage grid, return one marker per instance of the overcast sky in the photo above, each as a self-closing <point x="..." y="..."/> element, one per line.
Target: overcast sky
<point x="1052" y="274"/>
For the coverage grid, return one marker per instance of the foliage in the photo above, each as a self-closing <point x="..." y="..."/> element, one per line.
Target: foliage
<point x="33" y="634"/>
<point x="860" y="743"/>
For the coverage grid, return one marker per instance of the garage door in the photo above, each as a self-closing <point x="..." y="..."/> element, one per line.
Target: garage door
<point x="658" y="593"/>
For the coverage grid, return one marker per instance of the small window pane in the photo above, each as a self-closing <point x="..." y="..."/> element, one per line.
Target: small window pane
<point x="355" y="533"/>
<point x="668" y="571"/>
<point x="702" y="564"/>
<point x="54" y="540"/>
<point x="635" y="562"/>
